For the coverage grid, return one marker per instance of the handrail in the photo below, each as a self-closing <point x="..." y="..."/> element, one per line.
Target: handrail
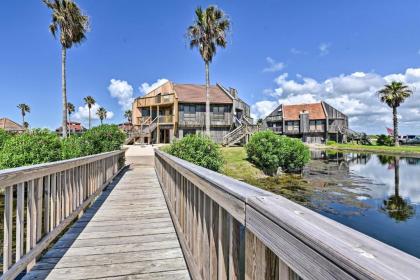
<point x="54" y="194"/>
<point x="282" y="239"/>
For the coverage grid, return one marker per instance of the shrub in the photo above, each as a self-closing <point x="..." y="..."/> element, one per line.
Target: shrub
<point x="198" y="149"/>
<point x="384" y="140"/>
<point x="29" y="148"/>
<point x="100" y="139"/>
<point x="71" y="147"/>
<point x="331" y="142"/>
<point x="3" y="137"/>
<point x="270" y="151"/>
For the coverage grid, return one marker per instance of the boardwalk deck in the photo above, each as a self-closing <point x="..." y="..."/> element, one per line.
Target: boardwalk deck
<point x="126" y="234"/>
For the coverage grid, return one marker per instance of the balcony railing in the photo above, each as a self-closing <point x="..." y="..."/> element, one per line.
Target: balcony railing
<point x="277" y="129"/>
<point x="156" y="100"/>
<point x="166" y="119"/>
<point x="274" y="118"/>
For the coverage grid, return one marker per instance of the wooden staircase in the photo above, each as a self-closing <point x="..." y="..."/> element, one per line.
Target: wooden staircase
<point x="243" y="131"/>
<point x="146" y="129"/>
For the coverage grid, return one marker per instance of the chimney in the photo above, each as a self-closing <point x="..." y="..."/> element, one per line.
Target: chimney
<point x="233" y="92"/>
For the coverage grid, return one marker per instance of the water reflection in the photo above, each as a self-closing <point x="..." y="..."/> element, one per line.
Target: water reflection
<point x="397" y="207"/>
<point x="375" y="194"/>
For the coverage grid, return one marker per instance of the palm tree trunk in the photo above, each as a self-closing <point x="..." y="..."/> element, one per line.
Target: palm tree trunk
<point x="397" y="176"/>
<point x="395" y="119"/>
<point x="63" y="85"/>
<point x="89" y="118"/>
<point x="23" y="119"/>
<point x="207" y="99"/>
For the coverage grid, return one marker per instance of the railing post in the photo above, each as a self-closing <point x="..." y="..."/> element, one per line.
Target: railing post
<point x="8" y="224"/>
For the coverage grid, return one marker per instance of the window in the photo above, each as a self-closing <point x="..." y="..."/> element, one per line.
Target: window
<point x="218" y="112"/>
<point x="312" y="125"/>
<point x="292" y="125"/>
<point x="189" y="111"/>
<point x="145" y="112"/>
<point x="317" y="125"/>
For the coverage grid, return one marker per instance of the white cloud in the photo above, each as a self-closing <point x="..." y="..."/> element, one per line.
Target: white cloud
<point x="263" y="108"/>
<point x="354" y="94"/>
<point x="123" y="91"/>
<point x="297" y="51"/>
<point x="82" y="113"/>
<point x="146" y="87"/>
<point x="273" y="66"/>
<point x="324" y="49"/>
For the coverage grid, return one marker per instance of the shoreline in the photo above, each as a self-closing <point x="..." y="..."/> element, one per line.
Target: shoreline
<point x="367" y="149"/>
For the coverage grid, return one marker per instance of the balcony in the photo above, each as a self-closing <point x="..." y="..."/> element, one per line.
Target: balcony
<point x="156" y="100"/>
<point x="274" y="119"/>
<point x="166" y="119"/>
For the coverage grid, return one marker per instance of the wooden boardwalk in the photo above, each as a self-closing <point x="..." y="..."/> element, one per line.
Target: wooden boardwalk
<point x="126" y="234"/>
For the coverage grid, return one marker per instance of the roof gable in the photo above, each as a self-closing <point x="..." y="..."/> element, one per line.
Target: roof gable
<point x="9" y="125"/>
<point x="188" y="93"/>
<point x="315" y="111"/>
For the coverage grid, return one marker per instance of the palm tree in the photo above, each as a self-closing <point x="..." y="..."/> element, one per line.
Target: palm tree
<point x="128" y="115"/>
<point x="89" y="101"/>
<point x="73" y="25"/>
<point x="396" y="206"/>
<point x="208" y="31"/>
<point x="393" y="95"/>
<point x="101" y="113"/>
<point x="70" y="109"/>
<point x="24" y="108"/>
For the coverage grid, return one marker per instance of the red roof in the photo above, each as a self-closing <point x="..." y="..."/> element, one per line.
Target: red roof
<point x="188" y="93"/>
<point x="315" y="110"/>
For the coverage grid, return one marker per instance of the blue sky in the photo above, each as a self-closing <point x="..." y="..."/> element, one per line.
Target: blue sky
<point x="279" y="51"/>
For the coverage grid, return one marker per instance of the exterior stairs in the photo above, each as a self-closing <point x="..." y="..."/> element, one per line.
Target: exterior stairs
<point x="243" y="131"/>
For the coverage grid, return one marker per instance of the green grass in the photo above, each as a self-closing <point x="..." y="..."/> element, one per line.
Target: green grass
<point x="377" y="149"/>
<point x="237" y="166"/>
<point x="290" y="186"/>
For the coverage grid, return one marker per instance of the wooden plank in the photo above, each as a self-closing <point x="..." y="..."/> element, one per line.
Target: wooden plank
<point x="118" y="269"/>
<point x="20" y="220"/>
<point x="30" y="222"/>
<point x="234" y="239"/>
<point x="39" y="211"/>
<point x="47" y="201"/>
<point x="7" y="228"/>
<point x="223" y="245"/>
<point x="53" y="201"/>
<point x="214" y="237"/>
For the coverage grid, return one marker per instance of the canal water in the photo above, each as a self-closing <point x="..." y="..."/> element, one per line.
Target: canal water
<point x="375" y="194"/>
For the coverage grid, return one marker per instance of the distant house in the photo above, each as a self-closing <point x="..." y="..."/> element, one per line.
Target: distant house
<point x="72" y="127"/>
<point x="126" y="127"/>
<point x="313" y="123"/>
<point x="11" y="126"/>
<point x="175" y="110"/>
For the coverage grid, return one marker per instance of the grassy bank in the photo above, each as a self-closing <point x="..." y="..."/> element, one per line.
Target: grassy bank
<point x="237" y="166"/>
<point x="401" y="150"/>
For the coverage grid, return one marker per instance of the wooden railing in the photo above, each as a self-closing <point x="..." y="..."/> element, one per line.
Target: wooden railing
<point x="48" y="198"/>
<point x="231" y="230"/>
<point x="156" y="100"/>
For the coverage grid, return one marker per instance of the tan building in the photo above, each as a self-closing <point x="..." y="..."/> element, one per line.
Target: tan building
<point x="175" y="110"/>
<point x="11" y="126"/>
